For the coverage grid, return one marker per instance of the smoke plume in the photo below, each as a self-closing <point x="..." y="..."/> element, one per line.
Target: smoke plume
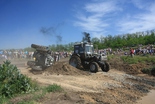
<point x="53" y="31"/>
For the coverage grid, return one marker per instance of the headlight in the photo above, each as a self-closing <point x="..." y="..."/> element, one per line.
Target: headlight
<point x="34" y="58"/>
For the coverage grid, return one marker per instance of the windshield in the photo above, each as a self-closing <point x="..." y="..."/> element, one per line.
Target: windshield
<point x="89" y="49"/>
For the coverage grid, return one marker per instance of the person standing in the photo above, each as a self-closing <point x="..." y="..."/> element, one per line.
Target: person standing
<point x="132" y="52"/>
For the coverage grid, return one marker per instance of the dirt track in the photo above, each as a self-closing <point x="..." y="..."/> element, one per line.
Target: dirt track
<point x="113" y="87"/>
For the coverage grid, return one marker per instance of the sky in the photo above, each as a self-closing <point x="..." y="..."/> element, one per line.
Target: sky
<point x="47" y="22"/>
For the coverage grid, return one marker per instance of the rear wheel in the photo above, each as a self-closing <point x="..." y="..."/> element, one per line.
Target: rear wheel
<point x="105" y="67"/>
<point x="75" y="61"/>
<point x="39" y="47"/>
<point x="94" y="67"/>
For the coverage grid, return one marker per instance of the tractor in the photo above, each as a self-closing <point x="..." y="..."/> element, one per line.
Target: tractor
<point x="84" y="57"/>
<point x="42" y="58"/>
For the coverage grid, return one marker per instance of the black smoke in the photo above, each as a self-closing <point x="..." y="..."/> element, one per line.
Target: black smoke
<point x="53" y="31"/>
<point x="48" y="31"/>
<point x="86" y="37"/>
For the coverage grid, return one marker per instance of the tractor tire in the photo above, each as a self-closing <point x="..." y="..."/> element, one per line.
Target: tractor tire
<point x="39" y="47"/>
<point x="75" y="61"/>
<point x="94" y="67"/>
<point x="105" y="67"/>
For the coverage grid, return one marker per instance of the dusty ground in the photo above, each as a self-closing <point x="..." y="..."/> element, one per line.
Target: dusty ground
<point x="83" y="87"/>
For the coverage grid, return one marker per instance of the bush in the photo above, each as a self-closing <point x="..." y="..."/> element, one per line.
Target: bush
<point x="12" y="82"/>
<point x="150" y="71"/>
<point x="153" y="71"/>
<point x="146" y="71"/>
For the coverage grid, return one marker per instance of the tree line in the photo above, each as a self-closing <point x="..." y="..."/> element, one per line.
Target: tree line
<point x="118" y="41"/>
<point x="126" y="40"/>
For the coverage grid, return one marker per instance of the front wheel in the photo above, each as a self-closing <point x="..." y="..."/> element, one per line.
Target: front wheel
<point x="105" y="67"/>
<point x="94" y="67"/>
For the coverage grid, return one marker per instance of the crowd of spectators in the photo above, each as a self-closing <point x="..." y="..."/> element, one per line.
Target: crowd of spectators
<point x="21" y="54"/>
<point x="16" y="54"/>
<point x="142" y="50"/>
<point x="139" y="50"/>
<point x="145" y="50"/>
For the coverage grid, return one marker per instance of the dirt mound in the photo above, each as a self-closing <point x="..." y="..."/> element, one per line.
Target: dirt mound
<point x="118" y="64"/>
<point x="129" y="68"/>
<point x="62" y="68"/>
<point x="65" y="69"/>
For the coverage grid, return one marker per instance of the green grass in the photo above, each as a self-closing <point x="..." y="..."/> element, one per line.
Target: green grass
<point x="109" y="57"/>
<point x="40" y="94"/>
<point x="3" y="100"/>
<point x="34" y="96"/>
<point x="138" y="59"/>
<point x="53" y="88"/>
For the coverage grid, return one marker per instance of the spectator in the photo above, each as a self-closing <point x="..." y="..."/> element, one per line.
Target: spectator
<point x="132" y="52"/>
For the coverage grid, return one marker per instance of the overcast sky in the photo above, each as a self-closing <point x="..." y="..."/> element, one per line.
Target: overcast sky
<point x="47" y="22"/>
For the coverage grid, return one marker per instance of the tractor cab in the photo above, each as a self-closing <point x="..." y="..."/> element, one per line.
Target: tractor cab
<point x="84" y="49"/>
